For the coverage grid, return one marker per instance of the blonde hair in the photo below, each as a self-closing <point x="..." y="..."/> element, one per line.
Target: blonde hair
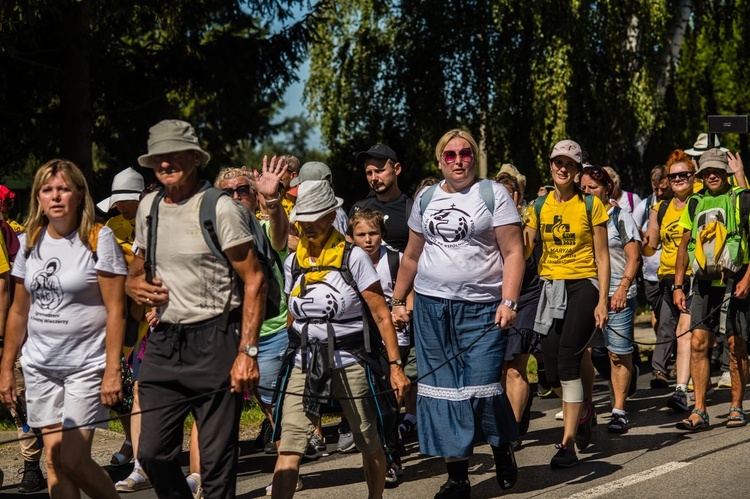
<point x="372" y="217"/>
<point x="613" y="175"/>
<point x="73" y="177"/>
<point x="452" y="134"/>
<point x="234" y="172"/>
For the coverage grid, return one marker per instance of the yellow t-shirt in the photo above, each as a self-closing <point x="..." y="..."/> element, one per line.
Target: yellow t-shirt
<point x="568" y="247"/>
<point x="4" y="260"/>
<point x="670" y="234"/>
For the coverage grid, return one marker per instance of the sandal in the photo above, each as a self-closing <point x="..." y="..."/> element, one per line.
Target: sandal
<point x="736" y="421"/>
<point x="120" y="459"/>
<point x="133" y="485"/>
<point x="689" y="425"/>
<point x="506" y="468"/>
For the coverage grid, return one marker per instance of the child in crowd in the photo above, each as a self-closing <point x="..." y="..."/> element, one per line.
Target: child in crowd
<point x="367" y="230"/>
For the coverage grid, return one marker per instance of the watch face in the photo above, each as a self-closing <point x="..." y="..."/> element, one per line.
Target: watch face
<point x="251" y="350"/>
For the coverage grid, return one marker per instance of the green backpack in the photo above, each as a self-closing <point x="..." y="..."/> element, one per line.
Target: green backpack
<point x="718" y="245"/>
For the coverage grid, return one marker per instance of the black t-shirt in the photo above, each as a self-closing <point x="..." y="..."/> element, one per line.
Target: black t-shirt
<point x="396" y="215"/>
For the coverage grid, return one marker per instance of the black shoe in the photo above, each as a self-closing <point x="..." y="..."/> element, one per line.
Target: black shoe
<point x="454" y="489"/>
<point x="33" y="480"/>
<point x="506" y="469"/>
<point x="517" y="444"/>
<point x="265" y="434"/>
<point x="523" y="425"/>
<point x="618" y="423"/>
<point x="270" y="448"/>
<point x="583" y="432"/>
<point x="565" y="458"/>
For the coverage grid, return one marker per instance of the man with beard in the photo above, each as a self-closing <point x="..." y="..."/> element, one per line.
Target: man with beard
<point x="382" y="169"/>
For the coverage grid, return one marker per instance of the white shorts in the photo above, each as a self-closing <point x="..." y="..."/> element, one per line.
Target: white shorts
<point x="72" y="398"/>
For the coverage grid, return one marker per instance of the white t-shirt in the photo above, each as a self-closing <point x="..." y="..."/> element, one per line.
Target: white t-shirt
<point x="341" y="223"/>
<point x="617" y="258"/>
<point x="624" y="201"/>
<point x="461" y="259"/>
<point x="67" y="317"/>
<point x="198" y="282"/>
<point x="386" y="282"/>
<point x="331" y="299"/>
<point x="650" y="263"/>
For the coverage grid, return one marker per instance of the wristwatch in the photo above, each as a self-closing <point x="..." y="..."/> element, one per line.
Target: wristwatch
<point x="396" y="362"/>
<point x="675" y="287"/>
<point x="251" y="351"/>
<point x="510" y="304"/>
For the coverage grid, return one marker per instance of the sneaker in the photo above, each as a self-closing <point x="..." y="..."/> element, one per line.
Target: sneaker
<point x="393" y="471"/>
<point x="559" y="416"/>
<point x="406" y="428"/>
<point x="196" y="488"/>
<point x="264" y="436"/>
<point x="454" y="489"/>
<point x="346" y="439"/>
<point x="523" y="425"/>
<point x="33" y="480"/>
<point x="673" y="374"/>
<point x="725" y="381"/>
<point x="137" y="480"/>
<point x="565" y="458"/>
<point x="583" y="432"/>
<point x="315" y="446"/>
<point x="270" y="448"/>
<point x="269" y="487"/>
<point x="659" y="380"/>
<point x="678" y="401"/>
<point x="618" y="423"/>
<point x="633" y="381"/>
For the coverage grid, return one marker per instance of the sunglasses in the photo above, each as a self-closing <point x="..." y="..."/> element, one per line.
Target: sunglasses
<point x="679" y="176"/>
<point x="242" y="191"/>
<point x="450" y="156"/>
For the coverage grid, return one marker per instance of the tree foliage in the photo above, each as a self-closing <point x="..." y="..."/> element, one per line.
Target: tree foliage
<point x="522" y="75"/>
<point x="77" y="72"/>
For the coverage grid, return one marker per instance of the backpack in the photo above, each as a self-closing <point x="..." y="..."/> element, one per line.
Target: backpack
<point x="267" y="257"/>
<point x="619" y="224"/>
<point x="485" y="190"/>
<point x="718" y="245"/>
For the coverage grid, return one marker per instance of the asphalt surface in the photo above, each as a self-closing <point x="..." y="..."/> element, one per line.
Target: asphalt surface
<point x="653" y="459"/>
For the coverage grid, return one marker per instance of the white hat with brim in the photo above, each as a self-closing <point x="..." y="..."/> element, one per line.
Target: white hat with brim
<point x="701" y="146"/>
<point x="713" y="158"/>
<point x="315" y="199"/>
<point x="171" y="136"/>
<point x="126" y="186"/>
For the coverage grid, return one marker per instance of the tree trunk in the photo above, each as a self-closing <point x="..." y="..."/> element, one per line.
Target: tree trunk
<point x="75" y="94"/>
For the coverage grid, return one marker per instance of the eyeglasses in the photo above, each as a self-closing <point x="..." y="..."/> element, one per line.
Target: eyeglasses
<point x="243" y="191"/>
<point x="450" y="156"/>
<point x="681" y="176"/>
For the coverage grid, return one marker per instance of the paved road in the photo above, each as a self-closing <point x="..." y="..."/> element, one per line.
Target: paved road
<point x="652" y="460"/>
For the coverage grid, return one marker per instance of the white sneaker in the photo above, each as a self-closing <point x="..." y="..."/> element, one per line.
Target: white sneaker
<point x="559" y="416"/>
<point x="725" y="381"/>
<point x="197" y="491"/>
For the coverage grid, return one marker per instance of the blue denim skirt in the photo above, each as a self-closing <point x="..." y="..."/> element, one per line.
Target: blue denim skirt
<point x="463" y="402"/>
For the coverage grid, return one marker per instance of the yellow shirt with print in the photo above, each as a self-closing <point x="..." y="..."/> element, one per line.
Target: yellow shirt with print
<point x="124" y="230"/>
<point x="568" y="246"/>
<point x="4" y="260"/>
<point x="670" y="234"/>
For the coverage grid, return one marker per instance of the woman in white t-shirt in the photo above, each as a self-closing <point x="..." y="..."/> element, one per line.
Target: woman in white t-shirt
<point x="70" y="297"/>
<point x="326" y="341"/>
<point x="465" y="262"/>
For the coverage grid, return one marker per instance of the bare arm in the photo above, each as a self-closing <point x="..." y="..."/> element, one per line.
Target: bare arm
<point x="529" y="238"/>
<point x="735" y="163"/>
<point x="510" y="241"/>
<point x="601" y="255"/>
<point x="375" y="301"/>
<point x="651" y="238"/>
<point x="270" y="204"/>
<point x="632" y="259"/>
<point x="112" y="288"/>
<point x="15" y="333"/>
<point x="245" y="373"/>
<point x="406" y="273"/>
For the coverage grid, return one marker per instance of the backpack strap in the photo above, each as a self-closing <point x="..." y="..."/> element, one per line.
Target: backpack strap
<point x="630" y="201"/>
<point x="486" y="191"/>
<point x="94" y="240"/>
<point x="661" y="212"/>
<point x="207" y="214"/>
<point x="152" y="220"/>
<point x="393" y="264"/>
<point x="588" y="200"/>
<point x="424" y="201"/>
<point x="620" y="226"/>
<point x="538" y="207"/>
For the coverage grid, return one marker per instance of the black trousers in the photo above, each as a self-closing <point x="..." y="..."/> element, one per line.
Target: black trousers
<point x="183" y="362"/>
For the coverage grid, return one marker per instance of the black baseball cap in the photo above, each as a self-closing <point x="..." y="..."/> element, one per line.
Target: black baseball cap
<point x="378" y="151"/>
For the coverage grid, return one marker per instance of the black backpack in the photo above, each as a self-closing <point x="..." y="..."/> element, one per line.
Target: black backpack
<point x="266" y="255"/>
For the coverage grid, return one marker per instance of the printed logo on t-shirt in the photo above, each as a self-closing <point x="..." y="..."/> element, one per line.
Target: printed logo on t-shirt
<point x="561" y="234"/>
<point x="449" y="227"/>
<point x="45" y="286"/>
<point x="670" y="232"/>
<point x="320" y="298"/>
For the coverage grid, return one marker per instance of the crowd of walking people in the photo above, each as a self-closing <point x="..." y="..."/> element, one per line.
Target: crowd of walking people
<point x="408" y="315"/>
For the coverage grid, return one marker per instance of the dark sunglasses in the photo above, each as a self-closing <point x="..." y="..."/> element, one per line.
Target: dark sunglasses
<point x="679" y="175"/>
<point x="450" y="156"/>
<point x="242" y="191"/>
